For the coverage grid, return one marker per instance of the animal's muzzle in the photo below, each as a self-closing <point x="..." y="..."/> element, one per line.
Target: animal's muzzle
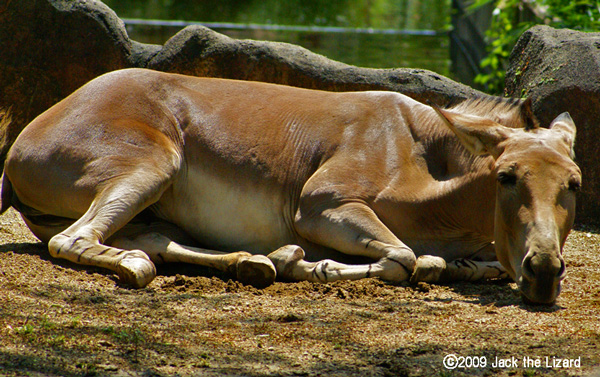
<point x="541" y="276"/>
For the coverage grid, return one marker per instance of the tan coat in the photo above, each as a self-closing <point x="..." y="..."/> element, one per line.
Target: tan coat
<point x="141" y="160"/>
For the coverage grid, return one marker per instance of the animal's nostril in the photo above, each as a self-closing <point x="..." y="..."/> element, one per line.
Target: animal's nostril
<point x="527" y="268"/>
<point x="563" y="269"/>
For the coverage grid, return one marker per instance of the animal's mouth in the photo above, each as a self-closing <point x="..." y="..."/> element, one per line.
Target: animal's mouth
<point x="540" y="275"/>
<point x="528" y="301"/>
<point x="539" y="293"/>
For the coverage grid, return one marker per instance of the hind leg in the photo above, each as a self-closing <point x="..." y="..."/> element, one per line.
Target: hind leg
<point x="256" y="270"/>
<point x="112" y="209"/>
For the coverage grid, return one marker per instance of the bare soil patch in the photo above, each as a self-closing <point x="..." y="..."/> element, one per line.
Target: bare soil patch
<point x="60" y="319"/>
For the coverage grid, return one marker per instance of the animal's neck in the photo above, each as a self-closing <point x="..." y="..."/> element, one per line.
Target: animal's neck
<point x="453" y="202"/>
<point x="464" y="185"/>
<point x="456" y="214"/>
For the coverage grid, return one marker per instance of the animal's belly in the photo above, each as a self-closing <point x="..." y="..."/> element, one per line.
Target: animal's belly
<point x="228" y="214"/>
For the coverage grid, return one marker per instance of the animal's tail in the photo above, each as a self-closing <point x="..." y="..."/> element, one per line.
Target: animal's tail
<point x="7" y="192"/>
<point x="6" y="120"/>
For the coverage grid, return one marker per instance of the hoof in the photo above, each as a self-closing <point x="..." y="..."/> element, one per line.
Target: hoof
<point x="256" y="270"/>
<point x="136" y="270"/>
<point x="286" y="257"/>
<point x="428" y="269"/>
<point x="398" y="265"/>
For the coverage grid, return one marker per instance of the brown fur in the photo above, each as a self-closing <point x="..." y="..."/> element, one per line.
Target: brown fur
<point x="261" y="167"/>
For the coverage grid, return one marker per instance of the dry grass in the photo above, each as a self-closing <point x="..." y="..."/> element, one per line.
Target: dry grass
<point x="59" y="319"/>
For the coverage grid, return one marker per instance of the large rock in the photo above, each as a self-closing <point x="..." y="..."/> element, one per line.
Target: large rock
<point x="51" y="47"/>
<point x="560" y="71"/>
<point x="199" y="51"/>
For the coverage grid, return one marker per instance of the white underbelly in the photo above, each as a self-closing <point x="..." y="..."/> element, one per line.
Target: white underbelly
<point x="228" y="214"/>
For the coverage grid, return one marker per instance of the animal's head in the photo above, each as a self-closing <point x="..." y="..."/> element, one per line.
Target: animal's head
<point x="535" y="194"/>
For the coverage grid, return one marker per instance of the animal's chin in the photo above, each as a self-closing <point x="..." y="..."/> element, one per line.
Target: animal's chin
<point x="531" y="298"/>
<point x="528" y="301"/>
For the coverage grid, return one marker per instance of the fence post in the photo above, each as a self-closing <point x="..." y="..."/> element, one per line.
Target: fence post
<point x="467" y="39"/>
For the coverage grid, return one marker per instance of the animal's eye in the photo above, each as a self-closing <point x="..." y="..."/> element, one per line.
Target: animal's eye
<point x="506" y="178"/>
<point x="574" y="185"/>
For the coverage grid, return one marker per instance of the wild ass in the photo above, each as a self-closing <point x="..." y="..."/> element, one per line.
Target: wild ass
<point x="137" y="163"/>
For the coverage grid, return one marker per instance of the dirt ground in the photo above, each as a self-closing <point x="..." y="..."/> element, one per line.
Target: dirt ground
<point x="59" y="319"/>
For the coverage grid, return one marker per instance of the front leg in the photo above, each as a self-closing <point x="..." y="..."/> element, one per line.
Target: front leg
<point x="290" y="264"/>
<point x="432" y="269"/>
<point x="351" y="228"/>
<point x="470" y="270"/>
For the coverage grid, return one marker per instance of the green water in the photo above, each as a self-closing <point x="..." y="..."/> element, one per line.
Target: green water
<point x="368" y="33"/>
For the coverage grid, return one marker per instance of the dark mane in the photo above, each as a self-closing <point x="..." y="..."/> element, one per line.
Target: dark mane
<point x="510" y="112"/>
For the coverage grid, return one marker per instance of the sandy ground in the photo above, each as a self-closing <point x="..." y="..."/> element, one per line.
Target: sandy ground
<point x="60" y="319"/>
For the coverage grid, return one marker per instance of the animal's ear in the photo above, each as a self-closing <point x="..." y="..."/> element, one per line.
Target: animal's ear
<point x="479" y="135"/>
<point x="566" y="126"/>
<point x="527" y="117"/>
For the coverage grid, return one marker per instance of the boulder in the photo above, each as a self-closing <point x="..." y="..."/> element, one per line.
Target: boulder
<point x="52" y="47"/>
<point x="49" y="49"/>
<point x="560" y="71"/>
<point x="199" y="51"/>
